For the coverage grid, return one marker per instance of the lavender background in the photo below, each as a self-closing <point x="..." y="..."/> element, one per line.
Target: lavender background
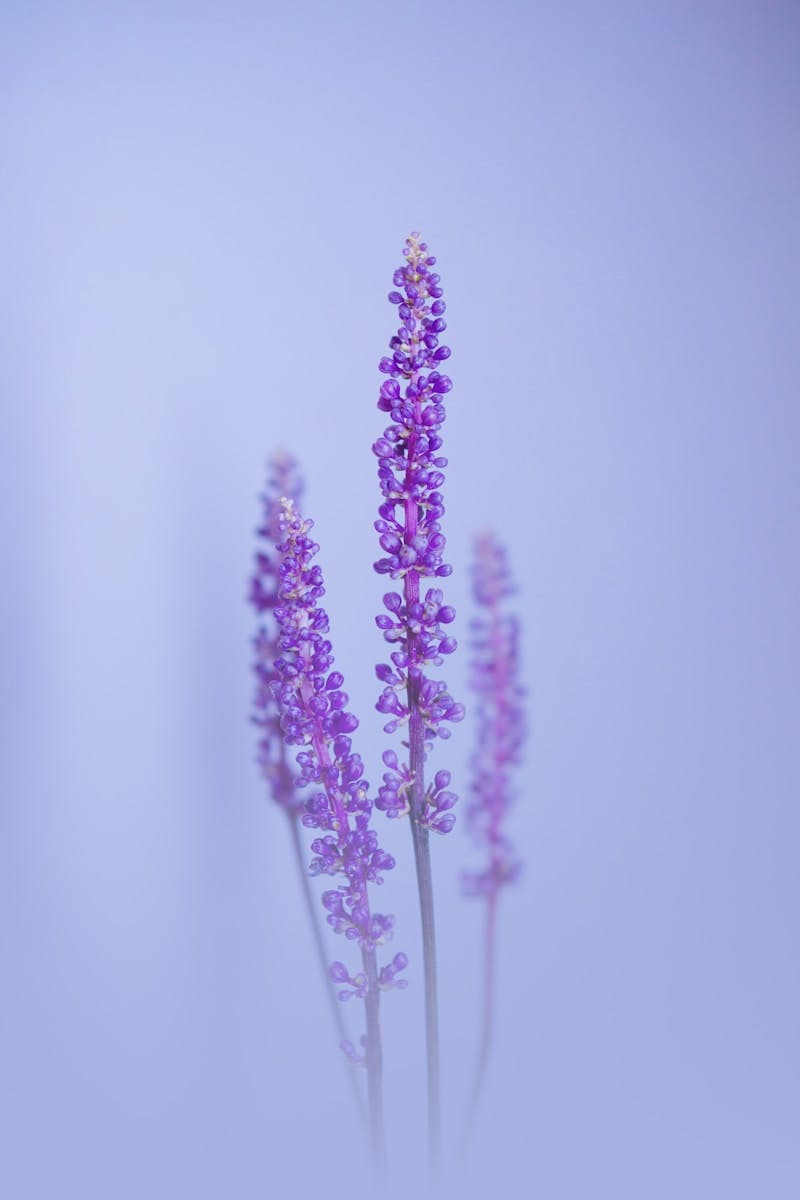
<point x="203" y="206"/>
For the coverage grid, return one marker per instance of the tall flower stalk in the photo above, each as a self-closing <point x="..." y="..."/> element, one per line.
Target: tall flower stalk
<point x="277" y="768"/>
<point x="314" y="717"/>
<point x="494" y="679"/>
<point x="410" y="471"/>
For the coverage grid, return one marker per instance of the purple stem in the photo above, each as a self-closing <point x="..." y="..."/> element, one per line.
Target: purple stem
<point x="487" y="1016"/>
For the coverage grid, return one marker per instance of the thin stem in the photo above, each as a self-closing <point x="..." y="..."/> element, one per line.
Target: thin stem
<point x="422" y="859"/>
<point x="312" y="910"/>
<point x="374" y="1067"/>
<point x="489" y="951"/>
<point x="422" y="855"/>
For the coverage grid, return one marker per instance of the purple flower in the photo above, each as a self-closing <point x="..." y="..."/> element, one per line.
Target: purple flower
<point x="283" y="480"/>
<point x="416" y="623"/>
<point x="411" y="473"/>
<point x="276" y="767"/>
<point x="314" y="717"/>
<point x="500" y="718"/>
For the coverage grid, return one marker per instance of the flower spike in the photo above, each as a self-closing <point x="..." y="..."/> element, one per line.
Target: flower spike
<point x="416" y="624"/>
<point x="501" y="732"/>
<point x="315" y="718"/>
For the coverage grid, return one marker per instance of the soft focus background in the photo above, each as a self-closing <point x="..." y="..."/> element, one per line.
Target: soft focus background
<point x="203" y="205"/>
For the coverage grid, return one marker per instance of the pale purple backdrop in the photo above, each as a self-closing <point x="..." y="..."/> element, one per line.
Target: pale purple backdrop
<point x="203" y="205"/>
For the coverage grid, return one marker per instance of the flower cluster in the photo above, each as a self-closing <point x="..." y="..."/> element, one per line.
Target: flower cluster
<point x="410" y="470"/>
<point x="283" y="480"/>
<point x="357" y="984"/>
<point x="416" y="630"/>
<point x="500" y="718"/>
<point x="314" y="717"/>
<point x="394" y="797"/>
<point x="306" y="729"/>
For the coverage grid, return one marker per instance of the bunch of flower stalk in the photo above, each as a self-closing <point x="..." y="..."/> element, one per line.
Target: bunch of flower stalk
<point x="300" y="704"/>
<point x="500" y="722"/>
<point x="411" y="472"/>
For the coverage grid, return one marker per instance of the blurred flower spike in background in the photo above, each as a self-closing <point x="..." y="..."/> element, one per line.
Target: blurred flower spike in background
<point x="499" y="717"/>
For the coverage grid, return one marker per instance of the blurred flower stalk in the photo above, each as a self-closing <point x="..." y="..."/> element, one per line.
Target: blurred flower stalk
<point x="500" y="722"/>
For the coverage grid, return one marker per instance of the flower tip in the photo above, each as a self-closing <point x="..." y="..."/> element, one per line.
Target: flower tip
<point x="281" y="458"/>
